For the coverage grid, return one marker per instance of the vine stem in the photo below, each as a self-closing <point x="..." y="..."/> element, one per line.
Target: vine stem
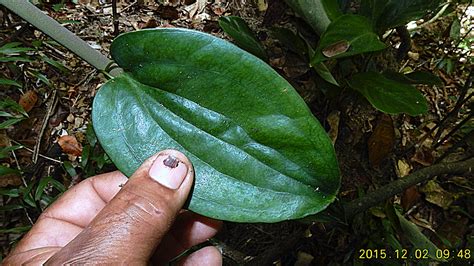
<point x="51" y="27"/>
<point x="400" y="185"/>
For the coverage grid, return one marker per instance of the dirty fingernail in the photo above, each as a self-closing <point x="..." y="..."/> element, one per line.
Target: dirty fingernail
<point x="168" y="171"/>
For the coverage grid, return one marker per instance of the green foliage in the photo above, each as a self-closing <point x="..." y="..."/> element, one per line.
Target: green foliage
<point x="417" y="238"/>
<point x="387" y="14"/>
<point x="238" y="29"/>
<point x="291" y="40"/>
<point x="389" y="96"/>
<point x="93" y="158"/>
<point x="14" y="52"/>
<point x="12" y="112"/>
<point x="350" y="30"/>
<point x="259" y="154"/>
<point x="313" y="12"/>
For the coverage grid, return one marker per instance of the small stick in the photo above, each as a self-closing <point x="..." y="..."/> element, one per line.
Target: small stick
<point x="52" y="105"/>
<point x="115" y="18"/>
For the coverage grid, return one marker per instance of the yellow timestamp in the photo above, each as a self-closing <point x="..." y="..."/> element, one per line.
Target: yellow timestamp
<point x="418" y="254"/>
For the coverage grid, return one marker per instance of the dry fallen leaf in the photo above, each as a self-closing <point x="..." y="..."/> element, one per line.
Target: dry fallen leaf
<point x="333" y="121"/>
<point x="303" y="259"/>
<point x="69" y="145"/>
<point x="409" y="197"/>
<point x="10" y="180"/>
<point x="262" y="5"/>
<point x="337" y="48"/>
<point x="381" y="141"/>
<point x="423" y="156"/>
<point x="437" y="195"/>
<point x="403" y="168"/>
<point x="28" y="100"/>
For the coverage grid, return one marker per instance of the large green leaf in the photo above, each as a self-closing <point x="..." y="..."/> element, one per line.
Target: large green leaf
<point x="418" y="239"/>
<point x="348" y="35"/>
<point x="313" y="12"/>
<point x="386" y="14"/>
<point x="258" y="153"/>
<point x="244" y="37"/>
<point x="389" y="96"/>
<point x="416" y="77"/>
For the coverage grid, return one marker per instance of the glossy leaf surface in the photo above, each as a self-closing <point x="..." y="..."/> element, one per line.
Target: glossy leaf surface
<point x="258" y="153"/>
<point x="389" y="96"/>
<point x="351" y="34"/>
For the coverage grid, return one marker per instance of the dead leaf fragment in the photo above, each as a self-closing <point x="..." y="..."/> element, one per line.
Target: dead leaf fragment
<point x="409" y="197"/>
<point x="337" y="48"/>
<point x="333" y="121"/>
<point x="437" y="195"/>
<point x="10" y="180"/>
<point x="69" y="145"/>
<point x="381" y="141"/>
<point x="303" y="259"/>
<point x="403" y="168"/>
<point x="168" y="12"/>
<point x="151" y="23"/>
<point x="262" y="5"/>
<point x="28" y="100"/>
<point x="423" y="156"/>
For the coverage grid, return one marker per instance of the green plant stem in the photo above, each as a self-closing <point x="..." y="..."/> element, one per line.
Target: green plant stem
<point x="51" y="27"/>
<point x="400" y="185"/>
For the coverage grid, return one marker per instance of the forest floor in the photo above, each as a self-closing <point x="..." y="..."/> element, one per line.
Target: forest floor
<point x="57" y="88"/>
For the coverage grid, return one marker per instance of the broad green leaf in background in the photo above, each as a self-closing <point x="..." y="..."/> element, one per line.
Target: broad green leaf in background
<point x="423" y="77"/>
<point x="244" y="37"/>
<point x="389" y="96"/>
<point x="324" y="73"/>
<point x="387" y="14"/>
<point x="352" y="30"/>
<point x="291" y="40"/>
<point x="332" y="9"/>
<point x="416" y="77"/>
<point x="372" y="10"/>
<point x="313" y="12"/>
<point x="417" y="238"/>
<point x="259" y="154"/>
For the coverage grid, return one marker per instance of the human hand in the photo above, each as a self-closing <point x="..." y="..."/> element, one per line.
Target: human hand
<point x="107" y="220"/>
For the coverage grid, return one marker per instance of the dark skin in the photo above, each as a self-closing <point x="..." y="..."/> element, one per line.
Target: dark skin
<point x="108" y="219"/>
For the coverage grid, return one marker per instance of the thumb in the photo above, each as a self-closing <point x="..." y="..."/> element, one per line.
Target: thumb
<point x="131" y="225"/>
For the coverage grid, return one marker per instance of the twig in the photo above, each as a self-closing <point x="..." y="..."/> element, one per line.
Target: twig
<point x="227" y="252"/>
<point x="115" y="18"/>
<point x="468" y="137"/>
<point x="456" y="128"/>
<point x="52" y="105"/>
<point x="129" y="6"/>
<point x="400" y="185"/>
<point x="433" y="19"/>
<point x="461" y="100"/>
<point x="40" y="155"/>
